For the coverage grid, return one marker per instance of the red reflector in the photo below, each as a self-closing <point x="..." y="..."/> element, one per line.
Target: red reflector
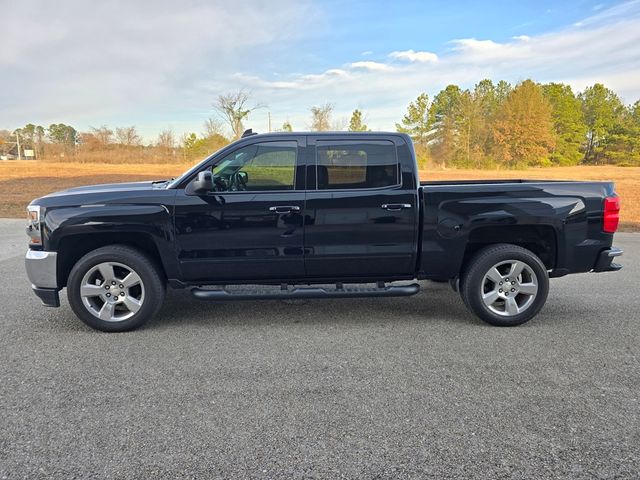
<point x="611" y="214"/>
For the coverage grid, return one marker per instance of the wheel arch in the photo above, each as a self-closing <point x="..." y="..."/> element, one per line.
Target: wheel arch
<point x="539" y="239"/>
<point x="72" y="248"/>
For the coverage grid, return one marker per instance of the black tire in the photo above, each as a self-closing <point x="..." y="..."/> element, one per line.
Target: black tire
<point x="150" y="288"/>
<point x="475" y="284"/>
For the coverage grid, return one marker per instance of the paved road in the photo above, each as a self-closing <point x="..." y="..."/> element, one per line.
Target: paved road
<point x="388" y="388"/>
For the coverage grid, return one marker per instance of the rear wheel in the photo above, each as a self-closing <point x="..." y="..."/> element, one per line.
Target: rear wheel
<point x="115" y="288"/>
<point x="505" y="285"/>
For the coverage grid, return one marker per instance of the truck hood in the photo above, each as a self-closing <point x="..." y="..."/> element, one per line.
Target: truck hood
<point x="105" y="187"/>
<point x="106" y="193"/>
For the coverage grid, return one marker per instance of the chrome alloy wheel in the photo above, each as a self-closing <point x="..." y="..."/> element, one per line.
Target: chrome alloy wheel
<point x="509" y="288"/>
<point x="112" y="291"/>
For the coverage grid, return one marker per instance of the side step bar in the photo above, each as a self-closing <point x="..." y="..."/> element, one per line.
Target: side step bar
<point x="305" y="292"/>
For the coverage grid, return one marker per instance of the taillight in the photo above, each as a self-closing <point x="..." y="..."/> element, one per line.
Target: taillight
<point x="611" y="214"/>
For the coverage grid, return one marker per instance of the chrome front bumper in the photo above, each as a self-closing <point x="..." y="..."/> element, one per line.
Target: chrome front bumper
<point x="42" y="273"/>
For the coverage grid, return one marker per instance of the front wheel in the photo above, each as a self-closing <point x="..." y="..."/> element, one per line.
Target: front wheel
<point x="115" y="288"/>
<point x="505" y="285"/>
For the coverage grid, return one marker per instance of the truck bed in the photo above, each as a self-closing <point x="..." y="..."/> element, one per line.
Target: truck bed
<point x="564" y="216"/>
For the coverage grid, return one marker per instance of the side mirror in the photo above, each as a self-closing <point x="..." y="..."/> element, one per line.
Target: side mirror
<point x="201" y="185"/>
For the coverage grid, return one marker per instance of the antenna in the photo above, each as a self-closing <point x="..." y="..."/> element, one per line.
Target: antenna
<point x="248" y="132"/>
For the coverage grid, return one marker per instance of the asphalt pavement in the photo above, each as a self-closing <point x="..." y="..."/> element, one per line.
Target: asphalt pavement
<point x="370" y="388"/>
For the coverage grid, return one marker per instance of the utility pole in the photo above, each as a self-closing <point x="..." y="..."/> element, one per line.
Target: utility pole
<point x="18" y="144"/>
<point x="269" y="122"/>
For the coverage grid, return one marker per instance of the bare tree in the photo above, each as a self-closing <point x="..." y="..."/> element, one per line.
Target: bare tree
<point x="339" y="124"/>
<point x="212" y="127"/>
<point x="321" y="117"/>
<point x="128" y="136"/>
<point x="6" y="143"/>
<point x="166" y="139"/>
<point x="234" y="109"/>
<point x="103" y="134"/>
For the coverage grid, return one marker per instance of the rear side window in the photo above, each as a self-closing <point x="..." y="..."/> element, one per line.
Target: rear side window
<point x="356" y="164"/>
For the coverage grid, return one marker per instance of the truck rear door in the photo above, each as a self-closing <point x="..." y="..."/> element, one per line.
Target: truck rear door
<point x="360" y="216"/>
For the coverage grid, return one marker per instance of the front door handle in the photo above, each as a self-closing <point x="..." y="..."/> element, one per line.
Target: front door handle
<point x="394" y="207"/>
<point x="284" y="208"/>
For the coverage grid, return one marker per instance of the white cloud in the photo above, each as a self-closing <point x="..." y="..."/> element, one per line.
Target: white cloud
<point x="577" y="56"/>
<point x="484" y="51"/>
<point x="300" y="82"/>
<point x="413" y="56"/>
<point x="107" y="63"/>
<point x="78" y="63"/>
<point x="372" y="66"/>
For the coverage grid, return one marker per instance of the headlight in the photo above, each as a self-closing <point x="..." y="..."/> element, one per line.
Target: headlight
<point x="33" y="226"/>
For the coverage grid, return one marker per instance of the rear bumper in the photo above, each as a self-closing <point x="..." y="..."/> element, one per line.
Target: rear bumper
<point x="605" y="261"/>
<point x="41" y="269"/>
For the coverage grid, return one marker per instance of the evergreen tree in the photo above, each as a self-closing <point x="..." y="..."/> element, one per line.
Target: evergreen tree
<point x="568" y="123"/>
<point x="488" y="98"/>
<point x="603" y="113"/>
<point x="473" y="127"/>
<point x="63" y="134"/>
<point x="445" y="112"/>
<point x="503" y="89"/>
<point x="417" y="122"/>
<point x="622" y="146"/>
<point x="356" y="123"/>
<point x="196" y="147"/>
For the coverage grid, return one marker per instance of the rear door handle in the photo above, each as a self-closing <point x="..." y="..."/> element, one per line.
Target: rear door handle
<point x="284" y="208"/>
<point x="394" y="207"/>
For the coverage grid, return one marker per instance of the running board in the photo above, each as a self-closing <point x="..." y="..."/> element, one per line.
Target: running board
<point x="305" y="292"/>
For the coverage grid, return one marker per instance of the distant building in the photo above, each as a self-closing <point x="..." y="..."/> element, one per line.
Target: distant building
<point x="8" y="151"/>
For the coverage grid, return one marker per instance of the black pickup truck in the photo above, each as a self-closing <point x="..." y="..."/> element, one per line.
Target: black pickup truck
<point x="283" y="215"/>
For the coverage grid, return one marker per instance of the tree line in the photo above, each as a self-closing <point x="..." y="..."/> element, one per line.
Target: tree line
<point x="490" y="125"/>
<point x="529" y="124"/>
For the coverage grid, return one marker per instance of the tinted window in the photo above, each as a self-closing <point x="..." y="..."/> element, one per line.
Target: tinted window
<point x="258" y="167"/>
<point x="360" y="164"/>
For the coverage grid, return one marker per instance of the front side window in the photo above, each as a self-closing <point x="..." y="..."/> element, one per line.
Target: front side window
<point x="259" y="167"/>
<point x="356" y="164"/>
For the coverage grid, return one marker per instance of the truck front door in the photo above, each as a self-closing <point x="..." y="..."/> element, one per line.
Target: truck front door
<point x="251" y="226"/>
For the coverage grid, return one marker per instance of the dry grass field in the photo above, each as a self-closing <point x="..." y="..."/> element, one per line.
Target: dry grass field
<point x="20" y="182"/>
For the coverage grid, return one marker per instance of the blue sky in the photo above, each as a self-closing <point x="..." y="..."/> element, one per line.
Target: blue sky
<point x="159" y="64"/>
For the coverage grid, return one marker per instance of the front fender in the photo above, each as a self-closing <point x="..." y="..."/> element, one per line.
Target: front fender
<point x="154" y="222"/>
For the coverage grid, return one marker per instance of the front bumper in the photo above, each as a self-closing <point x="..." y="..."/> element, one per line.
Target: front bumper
<point x="605" y="261"/>
<point x="42" y="273"/>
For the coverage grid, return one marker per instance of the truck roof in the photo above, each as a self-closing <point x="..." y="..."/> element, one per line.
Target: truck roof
<point x="323" y="133"/>
<point x="249" y="134"/>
